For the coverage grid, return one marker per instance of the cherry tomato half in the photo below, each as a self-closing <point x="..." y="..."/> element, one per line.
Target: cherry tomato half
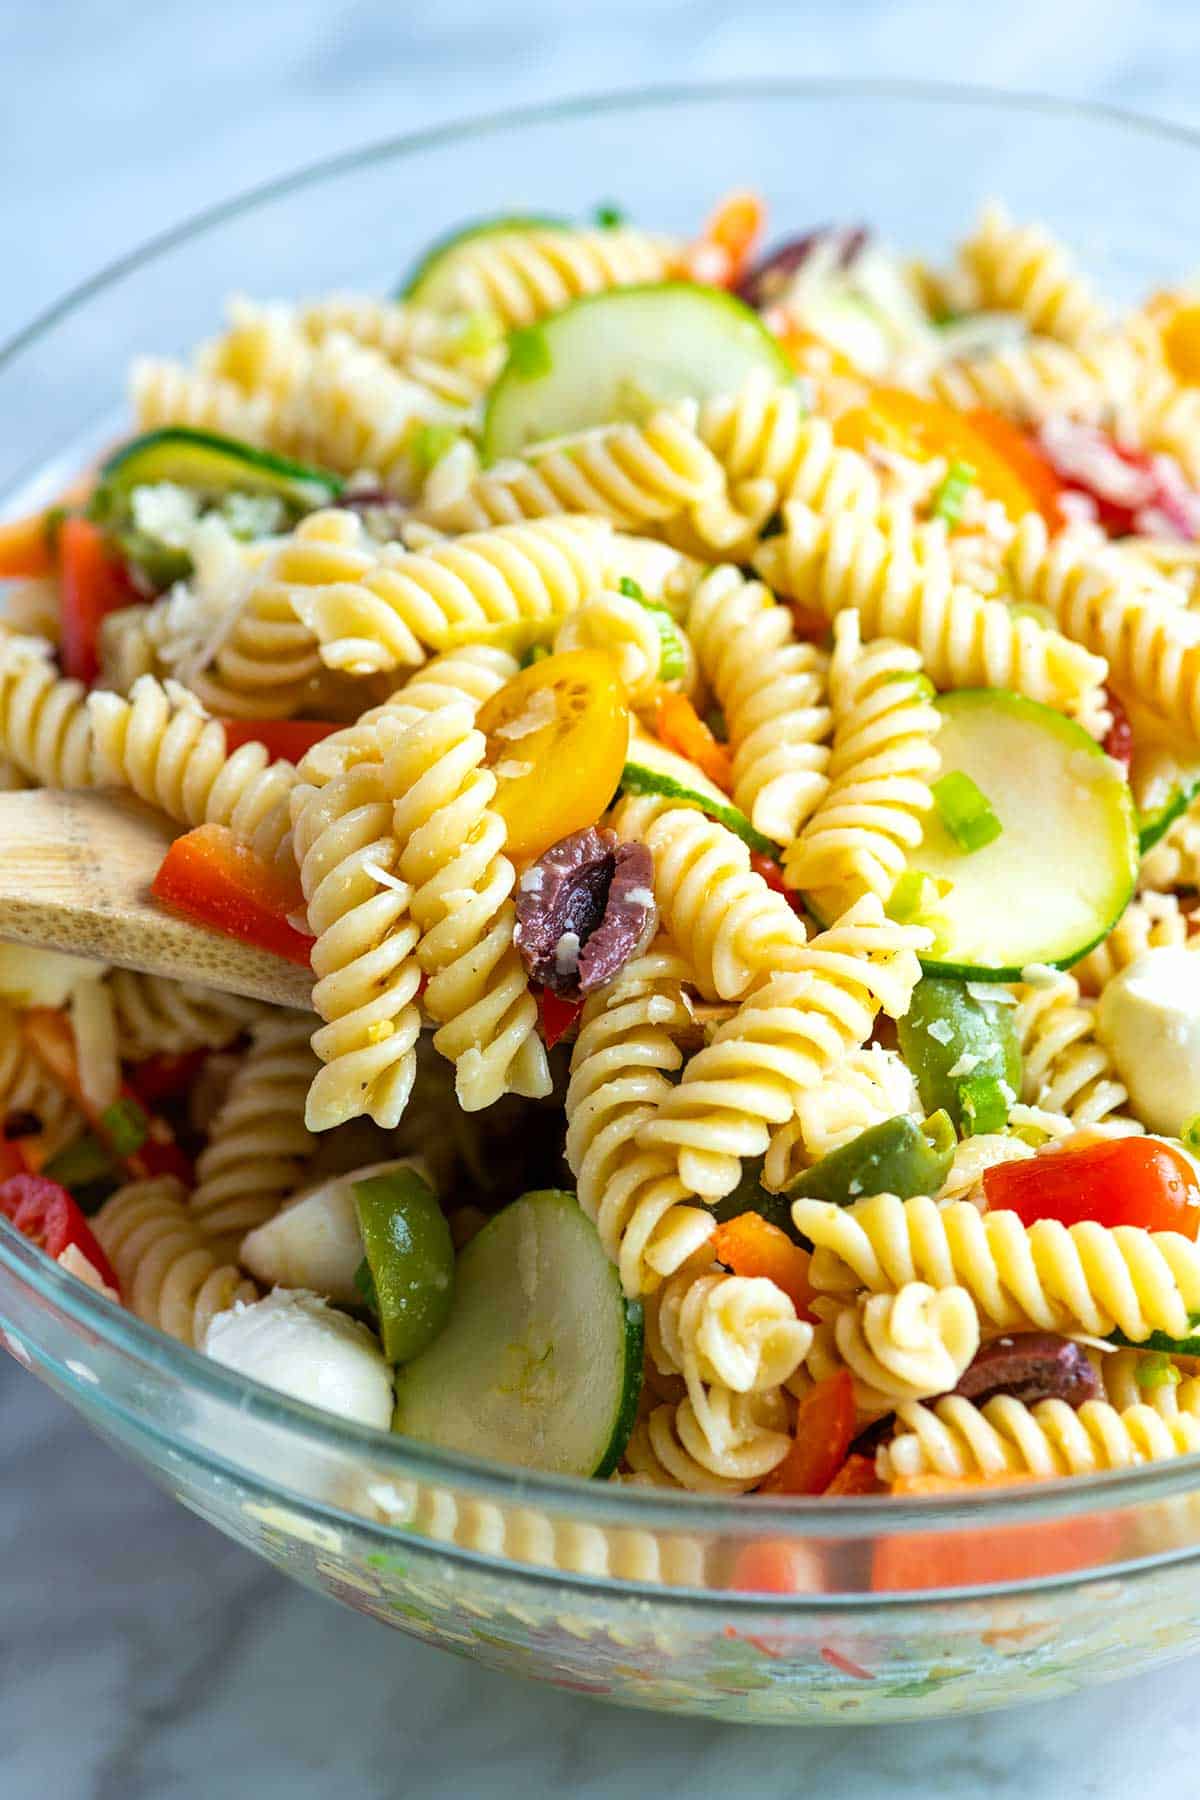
<point x="558" y="734"/>
<point x="1122" y="1181"/>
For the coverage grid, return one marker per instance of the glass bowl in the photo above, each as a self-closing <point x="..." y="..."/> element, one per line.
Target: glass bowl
<point x="754" y="1609"/>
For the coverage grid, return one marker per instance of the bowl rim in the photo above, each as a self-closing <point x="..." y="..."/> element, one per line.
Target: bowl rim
<point x="611" y="1504"/>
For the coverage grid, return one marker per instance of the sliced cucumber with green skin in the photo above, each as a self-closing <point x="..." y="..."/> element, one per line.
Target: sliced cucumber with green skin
<point x="1061" y="872"/>
<point x="214" y="466"/>
<point x="623" y="354"/>
<point x="540" y="1363"/>
<point x="650" y="768"/>
<point x="1164" y="786"/>
<point x="433" y="281"/>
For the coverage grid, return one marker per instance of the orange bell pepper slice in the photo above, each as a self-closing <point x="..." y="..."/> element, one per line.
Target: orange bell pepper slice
<point x="750" y="1245"/>
<point x="855" y="1477"/>
<point x="825" y="1425"/>
<point x="679" y="726"/>
<point x="26" y="549"/>
<point x="209" y="876"/>
<point x="722" y="251"/>
<point x="1022" y="455"/>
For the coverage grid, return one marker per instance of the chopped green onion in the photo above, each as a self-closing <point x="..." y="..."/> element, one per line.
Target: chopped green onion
<point x="1156" y="1370"/>
<point x="965" y="811"/>
<point x="84" y="1161"/>
<point x="126" y="1126"/>
<point x="480" y="332"/>
<point x="430" y="443"/>
<point x="908" y="898"/>
<point x="671" y="663"/>
<point x="631" y="589"/>
<point x="364" y="1287"/>
<point x="1189" y="1137"/>
<point x="609" y="216"/>
<point x="984" y="1102"/>
<point x="952" y="492"/>
<point x="536" y="653"/>
<point x="529" y="353"/>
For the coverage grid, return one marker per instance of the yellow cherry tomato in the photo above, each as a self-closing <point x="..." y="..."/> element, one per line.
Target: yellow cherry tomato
<point x="1181" y="343"/>
<point x="922" y="429"/>
<point x="557" y="736"/>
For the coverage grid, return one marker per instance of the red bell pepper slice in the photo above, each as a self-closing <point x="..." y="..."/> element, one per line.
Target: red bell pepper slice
<point x="558" y="1016"/>
<point x="209" y="876"/>
<point x="47" y="1215"/>
<point x="166" y="1076"/>
<point x="288" y="739"/>
<point x="12" y="1158"/>
<point x="825" y="1425"/>
<point x="772" y="874"/>
<point x="1123" y="1181"/>
<point x="94" y="583"/>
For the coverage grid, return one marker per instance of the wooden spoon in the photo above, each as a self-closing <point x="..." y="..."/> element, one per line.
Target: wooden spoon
<point x="75" y="874"/>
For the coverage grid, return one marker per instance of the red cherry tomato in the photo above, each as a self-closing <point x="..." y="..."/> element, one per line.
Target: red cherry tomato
<point x="1119" y="740"/>
<point x="1126" y="1181"/>
<point x="46" y="1214"/>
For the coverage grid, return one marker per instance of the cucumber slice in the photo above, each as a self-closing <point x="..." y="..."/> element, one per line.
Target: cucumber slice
<point x="433" y="281"/>
<point x="1164" y="786"/>
<point x="621" y="355"/>
<point x="540" y="1363"/>
<point x="650" y="768"/>
<point x="1060" y="874"/>
<point x="215" y="466"/>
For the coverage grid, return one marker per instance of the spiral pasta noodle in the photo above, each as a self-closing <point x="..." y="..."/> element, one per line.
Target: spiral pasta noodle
<point x="26" y="1089"/>
<point x="1042" y="378"/>
<point x="363" y="958"/>
<point x="45" y="730"/>
<point x="772" y="691"/>
<point x="161" y="745"/>
<point x="451" y="856"/>
<point x="258" y="1143"/>
<point x="726" y="1331"/>
<point x="635" y="475"/>
<point x="868" y="1086"/>
<point x="1047" y="1276"/>
<point x="1004" y="1436"/>
<point x="163" y="392"/>
<point x="523" y="273"/>
<point x="746" y="1437"/>
<point x="909" y="1345"/>
<point x="730" y="926"/>
<point x="155" y="1016"/>
<point x="884" y="759"/>
<point x="787" y="1036"/>
<point x="630" y="632"/>
<point x="629" y="1046"/>
<point x="964" y="640"/>
<point x="383" y="608"/>
<point x="1066" y="1067"/>
<point x="1023" y="269"/>
<point x="1151" y="646"/>
<point x="1175" y="860"/>
<point x="169" y="1275"/>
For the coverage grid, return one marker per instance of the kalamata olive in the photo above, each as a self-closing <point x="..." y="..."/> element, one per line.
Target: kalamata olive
<point x="1030" y="1366"/>
<point x="583" y="909"/>
<point x="764" y="283"/>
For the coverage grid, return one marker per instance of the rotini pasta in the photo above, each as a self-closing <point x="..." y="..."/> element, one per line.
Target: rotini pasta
<point x="1067" y="1068"/>
<point x="884" y="758"/>
<point x="169" y="1276"/>
<point x="910" y="1345"/>
<point x="1004" y="1436"/>
<point x="155" y="1016"/>
<point x="1022" y="269"/>
<point x="772" y="691"/>
<point x="524" y="273"/>
<point x="1046" y="1276"/>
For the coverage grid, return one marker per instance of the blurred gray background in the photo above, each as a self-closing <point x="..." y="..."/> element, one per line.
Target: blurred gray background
<point x="140" y="1653"/>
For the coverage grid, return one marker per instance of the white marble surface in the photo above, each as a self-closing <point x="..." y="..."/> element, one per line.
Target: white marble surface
<point x="140" y="1653"/>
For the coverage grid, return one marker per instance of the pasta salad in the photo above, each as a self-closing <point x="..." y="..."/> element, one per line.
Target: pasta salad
<point x="722" y="725"/>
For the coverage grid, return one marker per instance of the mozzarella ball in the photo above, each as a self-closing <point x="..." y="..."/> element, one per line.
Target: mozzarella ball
<point x="297" y="1343"/>
<point x="1149" y="1021"/>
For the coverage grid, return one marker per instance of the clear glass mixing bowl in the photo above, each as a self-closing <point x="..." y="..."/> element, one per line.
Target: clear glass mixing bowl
<point x="656" y="1600"/>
